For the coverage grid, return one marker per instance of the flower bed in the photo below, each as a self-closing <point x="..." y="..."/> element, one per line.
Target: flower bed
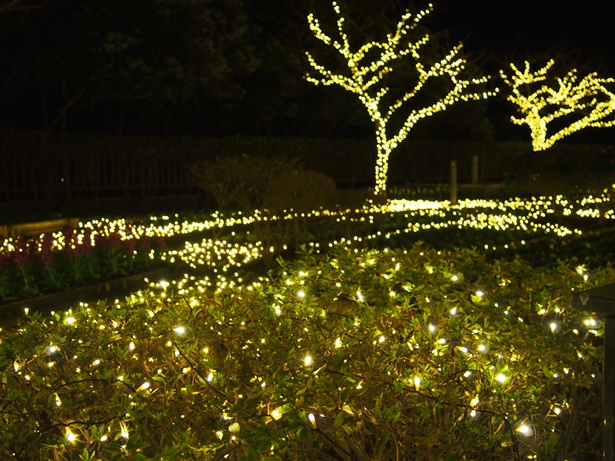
<point x="73" y="257"/>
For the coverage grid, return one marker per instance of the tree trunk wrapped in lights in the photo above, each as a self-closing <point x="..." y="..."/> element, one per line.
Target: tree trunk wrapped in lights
<point x="365" y="79"/>
<point x="589" y="98"/>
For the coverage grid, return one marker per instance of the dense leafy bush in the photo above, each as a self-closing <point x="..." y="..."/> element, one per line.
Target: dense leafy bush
<point x="411" y="354"/>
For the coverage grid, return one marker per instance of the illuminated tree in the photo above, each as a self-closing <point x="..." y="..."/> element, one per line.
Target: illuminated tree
<point x="365" y="78"/>
<point x="588" y="98"/>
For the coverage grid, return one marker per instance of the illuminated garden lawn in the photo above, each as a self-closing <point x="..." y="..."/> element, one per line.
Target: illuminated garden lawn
<point x="364" y="345"/>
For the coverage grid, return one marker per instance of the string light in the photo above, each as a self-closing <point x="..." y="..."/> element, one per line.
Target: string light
<point x="525" y="429"/>
<point x="70" y="436"/>
<point x="365" y="79"/>
<point x="566" y="97"/>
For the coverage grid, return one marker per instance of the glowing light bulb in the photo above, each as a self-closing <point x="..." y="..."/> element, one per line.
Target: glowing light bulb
<point x="525" y="429"/>
<point x="70" y="436"/>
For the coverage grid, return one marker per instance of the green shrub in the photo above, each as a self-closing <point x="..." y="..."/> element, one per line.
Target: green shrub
<point x="411" y="354"/>
<point x="238" y="182"/>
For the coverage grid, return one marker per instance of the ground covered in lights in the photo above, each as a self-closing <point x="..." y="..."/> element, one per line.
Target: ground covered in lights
<point x="364" y="345"/>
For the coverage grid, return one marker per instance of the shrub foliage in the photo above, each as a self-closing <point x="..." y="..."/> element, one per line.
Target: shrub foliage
<point x="411" y="354"/>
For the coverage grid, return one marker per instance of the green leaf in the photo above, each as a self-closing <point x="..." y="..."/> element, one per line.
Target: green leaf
<point x="339" y="420"/>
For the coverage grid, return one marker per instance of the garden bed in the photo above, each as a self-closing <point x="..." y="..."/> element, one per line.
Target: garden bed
<point x="108" y="290"/>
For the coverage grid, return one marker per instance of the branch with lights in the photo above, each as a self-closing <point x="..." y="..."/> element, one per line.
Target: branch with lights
<point x="365" y="79"/>
<point x="567" y="96"/>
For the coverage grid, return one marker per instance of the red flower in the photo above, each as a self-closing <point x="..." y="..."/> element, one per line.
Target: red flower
<point x="46" y="253"/>
<point x="21" y="255"/>
<point x="144" y="244"/>
<point x="129" y="245"/>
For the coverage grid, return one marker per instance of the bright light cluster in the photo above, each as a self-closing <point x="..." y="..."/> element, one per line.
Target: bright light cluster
<point x="217" y="254"/>
<point x="224" y="258"/>
<point x="582" y="104"/>
<point x="365" y="79"/>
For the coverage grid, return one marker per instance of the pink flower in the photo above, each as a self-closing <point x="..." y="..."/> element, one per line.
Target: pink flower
<point x="129" y="245"/>
<point x="46" y="253"/>
<point x="112" y="240"/>
<point x="21" y="255"/>
<point x="4" y="260"/>
<point x="144" y="244"/>
<point x="76" y="247"/>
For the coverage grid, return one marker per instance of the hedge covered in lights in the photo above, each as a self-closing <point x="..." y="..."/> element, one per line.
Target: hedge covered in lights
<point x="391" y="354"/>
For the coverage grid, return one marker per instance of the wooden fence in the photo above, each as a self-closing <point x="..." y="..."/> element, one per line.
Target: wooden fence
<point x="101" y="174"/>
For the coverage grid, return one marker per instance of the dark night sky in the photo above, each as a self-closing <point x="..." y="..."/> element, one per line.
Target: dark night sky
<point x="518" y="26"/>
<point x="495" y="33"/>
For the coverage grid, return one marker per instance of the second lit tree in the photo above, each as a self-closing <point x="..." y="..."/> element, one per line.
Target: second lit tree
<point x="576" y="103"/>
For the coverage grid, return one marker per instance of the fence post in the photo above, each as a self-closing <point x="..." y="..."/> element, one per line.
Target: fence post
<point x="453" y="182"/>
<point x="601" y="300"/>
<point x="474" y="170"/>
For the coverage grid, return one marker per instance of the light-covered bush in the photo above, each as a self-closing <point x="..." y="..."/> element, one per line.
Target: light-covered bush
<point x="371" y="355"/>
